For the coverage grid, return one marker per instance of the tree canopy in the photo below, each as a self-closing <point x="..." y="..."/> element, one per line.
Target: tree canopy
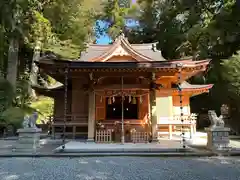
<point x="61" y="26"/>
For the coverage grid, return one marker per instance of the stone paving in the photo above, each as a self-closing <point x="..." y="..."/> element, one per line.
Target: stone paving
<point x="47" y="146"/>
<point x="120" y="168"/>
<point x="162" y="146"/>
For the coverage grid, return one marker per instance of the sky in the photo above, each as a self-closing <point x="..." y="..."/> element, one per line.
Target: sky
<point x="105" y="39"/>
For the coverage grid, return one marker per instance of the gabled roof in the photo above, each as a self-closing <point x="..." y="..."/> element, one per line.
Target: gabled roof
<point x="122" y="55"/>
<point x="121" y="47"/>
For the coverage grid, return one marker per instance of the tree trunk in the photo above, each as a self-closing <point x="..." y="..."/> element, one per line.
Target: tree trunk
<point x="12" y="66"/>
<point x="34" y="69"/>
<point x="194" y="55"/>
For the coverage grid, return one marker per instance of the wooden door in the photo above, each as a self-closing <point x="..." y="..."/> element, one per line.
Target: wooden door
<point x="143" y="108"/>
<point x="100" y="108"/>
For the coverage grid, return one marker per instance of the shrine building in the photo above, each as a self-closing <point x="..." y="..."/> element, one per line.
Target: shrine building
<point x="120" y="89"/>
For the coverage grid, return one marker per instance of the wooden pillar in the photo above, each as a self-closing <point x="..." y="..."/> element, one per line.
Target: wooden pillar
<point x="74" y="132"/>
<point x="91" y="116"/>
<point x="194" y="129"/>
<point x="170" y="131"/>
<point x="191" y="131"/>
<point x="153" y="115"/>
<point x="53" y="132"/>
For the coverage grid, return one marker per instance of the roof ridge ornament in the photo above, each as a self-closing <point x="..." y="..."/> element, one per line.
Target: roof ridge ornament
<point x="154" y="47"/>
<point x="179" y="65"/>
<point x="121" y="36"/>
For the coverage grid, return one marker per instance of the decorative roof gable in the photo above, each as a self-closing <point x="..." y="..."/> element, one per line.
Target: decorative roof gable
<point x="122" y="48"/>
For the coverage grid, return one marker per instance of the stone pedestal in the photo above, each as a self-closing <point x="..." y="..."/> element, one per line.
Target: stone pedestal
<point x="218" y="138"/>
<point x="28" y="140"/>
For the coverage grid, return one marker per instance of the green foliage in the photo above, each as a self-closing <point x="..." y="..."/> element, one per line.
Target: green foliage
<point x="66" y="49"/>
<point x="231" y="73"/>
<point x="61" y="26"/>
<point x="14" y="105"/>
<point x="72" y="22"/>
<point x="6" y="94"/>
<point x="44" y="106"/>
<point x="13" y="116"/>
<point x="115" y="17"/>
<point x="22" y="98"/>
<point x="182" y="28"/>
<point x="51" y="81"/>
<point x="159" y="22"/>
<point x="40" y="30"/>
<point x="3" y="48"/>
<point x="15" y="16"/>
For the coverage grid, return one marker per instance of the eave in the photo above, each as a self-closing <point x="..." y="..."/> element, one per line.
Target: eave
<point x="48" y="91"/>
<point x="71" y="64"/>
<point x="191" y="91"/>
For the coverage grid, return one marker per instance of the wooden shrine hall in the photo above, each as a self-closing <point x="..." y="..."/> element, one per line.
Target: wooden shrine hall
<point x="121" y="91"/>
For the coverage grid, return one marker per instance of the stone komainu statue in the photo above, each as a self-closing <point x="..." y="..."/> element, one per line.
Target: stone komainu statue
<point x="215" y="120"/>
<point x="30" y="122"/>
<point x="33" y="120"/>
<point x="25" y="122"/>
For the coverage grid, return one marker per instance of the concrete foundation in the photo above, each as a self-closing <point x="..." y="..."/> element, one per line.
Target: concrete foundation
<point x="218" y="138"/>
<point x="28" y="140"/>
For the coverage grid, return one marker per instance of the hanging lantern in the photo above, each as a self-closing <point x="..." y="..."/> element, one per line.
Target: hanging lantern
<point x="113" y="99"/>
<point x="134" y="101"/>
<point x="129" y="99"/>
<point x="140" y="99"/>
<point x="109" y="101"/>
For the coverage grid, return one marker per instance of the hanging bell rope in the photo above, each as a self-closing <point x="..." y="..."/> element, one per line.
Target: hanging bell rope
<point x="181" y="103"/>
<point x="140" y="99"/>
<point x="134" y="101"/>
<point x="109" y="101"/>
<point x="65" y="105"/>
<point x="129" y="99"/>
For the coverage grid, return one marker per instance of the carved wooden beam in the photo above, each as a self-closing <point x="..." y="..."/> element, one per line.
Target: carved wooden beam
<point x="118" y="86"/>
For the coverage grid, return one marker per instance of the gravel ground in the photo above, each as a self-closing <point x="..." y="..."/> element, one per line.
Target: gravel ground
<point x="120" y="168"/>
